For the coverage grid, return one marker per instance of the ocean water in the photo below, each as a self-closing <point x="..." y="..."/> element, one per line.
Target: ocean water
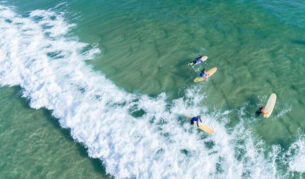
<point x="99" y="89"/>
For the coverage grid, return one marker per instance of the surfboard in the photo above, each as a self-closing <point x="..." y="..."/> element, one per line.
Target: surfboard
<point x="210" y="72"/>
<point x="202" y="126"/>
<point x="202" y="59"/>
<point x="270" y="105"/>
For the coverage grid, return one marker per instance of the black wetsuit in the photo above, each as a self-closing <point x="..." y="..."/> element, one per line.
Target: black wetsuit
<point x="259" y="111"/>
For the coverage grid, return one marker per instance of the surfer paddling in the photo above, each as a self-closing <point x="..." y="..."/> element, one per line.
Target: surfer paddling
<point x="196" y="119"/>
<point x="198" y="60"/>
<point x="204" y="74"/>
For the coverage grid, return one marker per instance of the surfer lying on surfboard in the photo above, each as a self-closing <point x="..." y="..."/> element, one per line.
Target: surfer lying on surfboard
<point x="196" y="119"/>
<point x="198" y="60"/>
<point x="203" y="74"/>
<point x="260" y="111"/>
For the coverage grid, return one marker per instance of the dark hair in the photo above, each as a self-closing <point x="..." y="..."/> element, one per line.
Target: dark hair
<point x="199" y="116"/>
<point x="203" y="69"/>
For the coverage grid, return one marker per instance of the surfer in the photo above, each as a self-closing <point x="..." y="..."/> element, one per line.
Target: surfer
<point x="203" y="74"/>
<point x="196" y="119"/>
<point x="260" y="111"/>
<point x="198" y="60"/>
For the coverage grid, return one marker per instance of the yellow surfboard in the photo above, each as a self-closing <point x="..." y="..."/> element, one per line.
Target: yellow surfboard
<point x="210" y="72"/>
<point x="270" y="105"/>
<point x="202" y="126"/>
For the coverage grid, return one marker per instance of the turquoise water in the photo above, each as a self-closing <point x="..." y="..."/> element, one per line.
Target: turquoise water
<point x="140" y="85"/>
<point x="28" y="144"/>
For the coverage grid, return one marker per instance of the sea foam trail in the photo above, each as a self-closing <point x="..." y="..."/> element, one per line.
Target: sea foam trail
<point x="296" y="155"/>
<point x="37" y="55"/>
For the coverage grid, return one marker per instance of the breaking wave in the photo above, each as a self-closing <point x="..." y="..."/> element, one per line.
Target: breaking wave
<point x="134" y="135"/>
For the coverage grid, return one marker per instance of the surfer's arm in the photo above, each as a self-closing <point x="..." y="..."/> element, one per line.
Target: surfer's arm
<point x="263" y="112"/>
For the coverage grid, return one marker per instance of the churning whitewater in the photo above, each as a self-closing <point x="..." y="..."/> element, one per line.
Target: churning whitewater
<point x="38" y="54"/>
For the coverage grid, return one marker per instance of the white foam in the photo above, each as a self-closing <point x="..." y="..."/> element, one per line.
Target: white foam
<point x="36" y="55"/>
<point x="297" y="156"/>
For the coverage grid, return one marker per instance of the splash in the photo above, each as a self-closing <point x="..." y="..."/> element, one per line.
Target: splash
<point x="132" y="134"/>
<point x="297" y="156"/>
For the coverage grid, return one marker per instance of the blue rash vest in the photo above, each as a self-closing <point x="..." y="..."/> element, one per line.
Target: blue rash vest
<point x="202" y="74"/>
<point x="195" y="119"/>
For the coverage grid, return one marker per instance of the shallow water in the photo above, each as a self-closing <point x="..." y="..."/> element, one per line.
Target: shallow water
<point x="143" y="48"/>
<point x="34" y="146"/>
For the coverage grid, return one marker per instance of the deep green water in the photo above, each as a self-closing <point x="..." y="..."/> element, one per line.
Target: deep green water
<point x="258" y="47"/>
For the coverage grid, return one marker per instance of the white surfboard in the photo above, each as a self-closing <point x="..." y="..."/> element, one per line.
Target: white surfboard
<point x="202" y="59"/>
<point x="270" y="105"/>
